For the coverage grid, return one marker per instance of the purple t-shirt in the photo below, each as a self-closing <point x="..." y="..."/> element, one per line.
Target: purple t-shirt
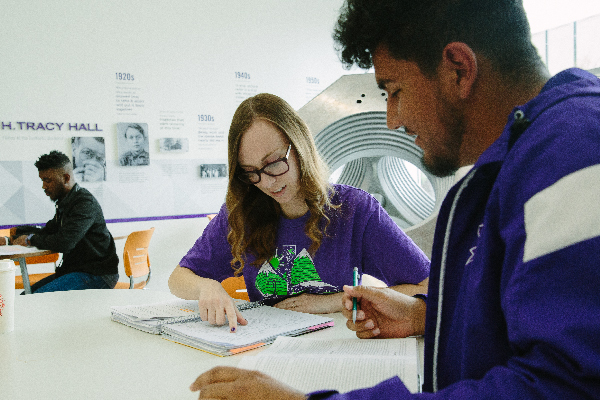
<point x="360" y="234"/>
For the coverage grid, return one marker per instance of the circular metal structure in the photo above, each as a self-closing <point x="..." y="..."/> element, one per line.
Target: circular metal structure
<point x="348" y="119"/>
<point x="373" y="159"/>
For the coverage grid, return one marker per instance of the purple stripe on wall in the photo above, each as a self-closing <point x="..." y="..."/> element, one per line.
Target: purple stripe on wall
<point x="115" y="221"/>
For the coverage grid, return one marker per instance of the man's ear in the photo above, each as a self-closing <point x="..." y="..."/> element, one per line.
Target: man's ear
<point x="458" y="69"/>
<point x="67" y="177"/>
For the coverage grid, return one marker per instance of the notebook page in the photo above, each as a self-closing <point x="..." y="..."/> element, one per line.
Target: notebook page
<point x="308" y="365"/>
<point x="307" y="347"/>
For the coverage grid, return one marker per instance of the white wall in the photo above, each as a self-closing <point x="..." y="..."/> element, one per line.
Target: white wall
<point x="78" y="68"/>
<point x="188" y="58"/>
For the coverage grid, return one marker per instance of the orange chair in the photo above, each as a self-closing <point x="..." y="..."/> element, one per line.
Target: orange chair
<point x="33" y="278"/>
<point x="236" y="287"/>
<point x="136" y="260"/>
<point x="5" y="232"/>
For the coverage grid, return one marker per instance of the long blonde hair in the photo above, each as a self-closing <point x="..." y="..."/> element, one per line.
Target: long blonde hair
<point x="253" y="216"/>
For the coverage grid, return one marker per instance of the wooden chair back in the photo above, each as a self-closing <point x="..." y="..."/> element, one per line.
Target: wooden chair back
<point x="236" y="287"/>
<point x="136" y="261"/>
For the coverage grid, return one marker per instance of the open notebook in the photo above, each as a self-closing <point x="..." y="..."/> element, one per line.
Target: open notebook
<point x="179" y="321"/>
<point x="309" y="364"/>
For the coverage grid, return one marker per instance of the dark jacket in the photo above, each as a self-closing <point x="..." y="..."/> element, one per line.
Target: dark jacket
<point x="78" y="230"/>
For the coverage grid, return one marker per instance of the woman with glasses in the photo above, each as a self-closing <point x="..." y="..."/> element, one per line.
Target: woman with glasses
<point x="293" y="236"/>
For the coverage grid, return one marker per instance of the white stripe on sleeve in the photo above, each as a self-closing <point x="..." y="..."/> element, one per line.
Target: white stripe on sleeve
<point x="563" y="214"/>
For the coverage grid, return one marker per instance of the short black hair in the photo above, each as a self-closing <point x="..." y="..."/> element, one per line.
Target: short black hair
<point x="418" y="31"/>
<point x="53" y="160"/>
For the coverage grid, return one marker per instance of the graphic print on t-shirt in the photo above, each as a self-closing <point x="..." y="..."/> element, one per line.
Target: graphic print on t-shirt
<point x="288" y="273"/>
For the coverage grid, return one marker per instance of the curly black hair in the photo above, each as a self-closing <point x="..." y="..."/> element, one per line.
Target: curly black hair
<point x="418" y="31"/>
<point x="53" y="160"/>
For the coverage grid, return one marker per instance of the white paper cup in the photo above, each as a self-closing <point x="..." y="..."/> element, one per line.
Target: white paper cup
<point x="7" y="296"/>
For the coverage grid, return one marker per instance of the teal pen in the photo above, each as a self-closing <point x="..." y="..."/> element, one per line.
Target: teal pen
<point x="355" y="281"/>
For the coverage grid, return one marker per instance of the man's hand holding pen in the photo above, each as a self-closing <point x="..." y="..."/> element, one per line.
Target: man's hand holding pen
<point x="383" y="313"/>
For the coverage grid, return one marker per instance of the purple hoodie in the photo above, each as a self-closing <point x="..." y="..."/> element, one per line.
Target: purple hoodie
<point x="514" y="294"/>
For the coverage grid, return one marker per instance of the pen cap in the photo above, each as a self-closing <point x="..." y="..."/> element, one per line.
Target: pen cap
<point x="7" y="296"/>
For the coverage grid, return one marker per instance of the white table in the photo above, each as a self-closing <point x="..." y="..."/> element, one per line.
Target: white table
<point x="65" y="346"/>
<point x="21" y="254"/>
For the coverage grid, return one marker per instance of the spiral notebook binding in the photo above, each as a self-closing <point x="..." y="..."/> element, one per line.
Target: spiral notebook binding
<point x="241" y="306"/>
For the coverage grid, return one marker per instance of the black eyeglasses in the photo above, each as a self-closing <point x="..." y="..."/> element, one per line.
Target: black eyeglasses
<point x="275" y="168"/>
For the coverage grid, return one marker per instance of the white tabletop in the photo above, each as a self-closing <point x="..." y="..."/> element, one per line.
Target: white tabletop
<point x="15" y="251"/>
<point x="65" y="346"/>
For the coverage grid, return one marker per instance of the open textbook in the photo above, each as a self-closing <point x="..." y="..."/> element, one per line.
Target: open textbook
<point x="179" y="321"/>
<point x="342" y="364"/>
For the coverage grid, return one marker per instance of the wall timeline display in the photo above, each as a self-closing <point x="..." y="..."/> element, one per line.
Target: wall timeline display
<point x="312" y="87"/>
<point x="244" y="86"/>
<point x="178" y="78"/>
<point x="211" y="138"/>
<point x="171" y="121"/>
<point x="129" y="98"/>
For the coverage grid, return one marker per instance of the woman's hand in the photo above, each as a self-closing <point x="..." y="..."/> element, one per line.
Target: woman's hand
<point x="213" y="301"/>
<point x="313" y="303"/>
<point x="215" y="304"/>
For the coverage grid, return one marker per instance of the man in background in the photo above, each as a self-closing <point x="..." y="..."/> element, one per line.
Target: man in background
<point x="513" y="309"/>
<point x="78" y="230"/>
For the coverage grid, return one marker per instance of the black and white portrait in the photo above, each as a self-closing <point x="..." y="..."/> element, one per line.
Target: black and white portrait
<point x="213" y="170"/>
<point x="89" y="159"/>
<point x="133" y="144"/>
<point x="174" y="145"/>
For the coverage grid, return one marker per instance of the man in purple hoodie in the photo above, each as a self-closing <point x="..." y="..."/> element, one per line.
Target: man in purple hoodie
<point x="514" y="306"/>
